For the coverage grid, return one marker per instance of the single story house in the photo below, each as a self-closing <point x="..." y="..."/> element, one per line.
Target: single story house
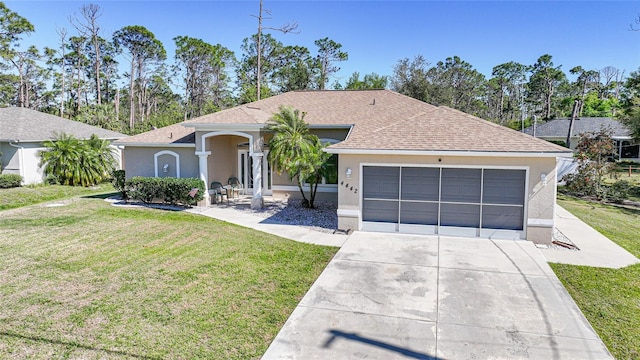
<point x="22" y="133"/>
<point x="557" y="130"/>
<point x="401" y="165"/>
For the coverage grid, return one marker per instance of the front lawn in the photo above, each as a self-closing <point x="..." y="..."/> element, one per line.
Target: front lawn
<point x="609" y="298"/>
<point x="89" y="280"/>
<point x="28" y="195"/>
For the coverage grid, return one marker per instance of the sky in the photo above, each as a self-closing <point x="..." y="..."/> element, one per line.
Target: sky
<point x="377" y="34"/>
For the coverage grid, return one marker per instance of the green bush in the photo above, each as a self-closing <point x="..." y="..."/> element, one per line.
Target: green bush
<point x="169" y="190"/>
<point x="119" y="183"/>
<point x="558" y="142"/>
<point x="10" y="181"/>
<point x="619" y="191"/>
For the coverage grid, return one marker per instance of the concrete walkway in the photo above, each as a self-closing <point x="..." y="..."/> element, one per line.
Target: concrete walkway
<point x="390" y="296"/>
<point x="291" y="232"/>
<point x="595" y="249"/>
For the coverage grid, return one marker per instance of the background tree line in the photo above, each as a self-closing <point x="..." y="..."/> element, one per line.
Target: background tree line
<point x="80" y="77"/>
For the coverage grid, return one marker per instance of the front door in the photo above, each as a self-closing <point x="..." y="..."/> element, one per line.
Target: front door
<point x="245" y="169"/>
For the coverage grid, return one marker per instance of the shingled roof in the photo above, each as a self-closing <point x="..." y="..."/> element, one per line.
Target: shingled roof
<point x="380" y="120"/>
<point x="28" y="125"/>
<point x="558" y="128"/>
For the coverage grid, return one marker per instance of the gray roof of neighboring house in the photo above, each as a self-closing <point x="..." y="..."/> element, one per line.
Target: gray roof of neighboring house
<point x="28" y="125"/>
<point x="559" y="128"/>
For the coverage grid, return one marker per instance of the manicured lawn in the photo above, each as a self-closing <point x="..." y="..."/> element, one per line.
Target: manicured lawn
<point x="89" y="280"/>
<point x="609" y="298"/>
<point x="28" y="195"/>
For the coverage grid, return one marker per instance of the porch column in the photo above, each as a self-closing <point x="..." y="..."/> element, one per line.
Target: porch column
<point x="204" y="173"/>
<point x="256" y="199"/>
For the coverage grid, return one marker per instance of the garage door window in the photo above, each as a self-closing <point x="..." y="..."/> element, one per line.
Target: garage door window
<point x="503" y="199"/>
<point x="380" y="193"/>
<point x="420" y="192"/>
<point x="434" y="198"/>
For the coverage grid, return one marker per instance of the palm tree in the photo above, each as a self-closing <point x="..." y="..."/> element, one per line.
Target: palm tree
<point x="103" y="157"/>
<point x="296" y="151"/>
<point x="76" y="162"/>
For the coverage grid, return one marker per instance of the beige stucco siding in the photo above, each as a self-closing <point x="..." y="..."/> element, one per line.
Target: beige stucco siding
<point x="140" y="161"/>
<point x="223" y="161"/>
<point x="540" y="196"/>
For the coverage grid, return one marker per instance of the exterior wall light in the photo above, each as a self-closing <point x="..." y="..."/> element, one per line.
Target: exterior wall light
<point x="348" y="173"/>
<point x="165" y="168"/>
<point x="543" y="178"/>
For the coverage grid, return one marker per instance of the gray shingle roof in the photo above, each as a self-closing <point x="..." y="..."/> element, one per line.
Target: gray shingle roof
<point x="28" y="125"/>
<point x="381" y="120"/>
<point x="558" y="128"/>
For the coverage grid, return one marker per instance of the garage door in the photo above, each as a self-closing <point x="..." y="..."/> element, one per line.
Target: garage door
<point x="451" y="201"/>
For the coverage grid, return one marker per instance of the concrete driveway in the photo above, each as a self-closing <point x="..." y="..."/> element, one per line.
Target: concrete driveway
<point x="387" y="296"/>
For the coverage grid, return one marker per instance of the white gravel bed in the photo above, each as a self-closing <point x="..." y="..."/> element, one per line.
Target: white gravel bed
<point x="323" y="218"/>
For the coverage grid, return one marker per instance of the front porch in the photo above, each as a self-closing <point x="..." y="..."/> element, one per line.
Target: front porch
<point x="228" y="157"/>
<point x="224" y="156"/>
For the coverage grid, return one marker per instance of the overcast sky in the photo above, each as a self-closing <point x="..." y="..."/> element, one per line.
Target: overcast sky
<point x="376" y="34"/>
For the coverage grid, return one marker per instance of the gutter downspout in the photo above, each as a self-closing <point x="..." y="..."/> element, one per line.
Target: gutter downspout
<point x="20" y="157"/>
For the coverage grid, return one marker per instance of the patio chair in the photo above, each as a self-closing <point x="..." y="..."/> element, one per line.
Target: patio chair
<point x="219" y="192"/>
<point x="236" y="186"/>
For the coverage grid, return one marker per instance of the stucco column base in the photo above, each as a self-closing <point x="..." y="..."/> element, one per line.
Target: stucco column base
<point x="256" y="203"/>
<point x="202" y="163"/>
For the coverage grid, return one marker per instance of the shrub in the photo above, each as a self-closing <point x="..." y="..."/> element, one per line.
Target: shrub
<point x="593" y="150"/>
<point x="558" y="142"/>
<point x="619" y="191"/>
<point x="51" y="179"/>
<point x="119" y="183"/>
<point x="77" y="162"/>
<point x="172" y="191"/>
<point x="10" y="181"/>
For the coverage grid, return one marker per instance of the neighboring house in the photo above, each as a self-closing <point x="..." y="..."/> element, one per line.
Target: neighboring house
<point x="402" y="165"/>
<point x="23" y="131"/>
<point x="558" y="129"/>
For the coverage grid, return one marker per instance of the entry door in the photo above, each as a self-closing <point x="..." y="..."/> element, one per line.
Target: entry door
<point x="245" y="167"/>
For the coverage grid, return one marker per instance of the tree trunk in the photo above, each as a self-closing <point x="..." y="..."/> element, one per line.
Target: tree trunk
<point x="574" y="114"/>
<point x="259" y="51"/>
<point x="131" y="90"/>
<point x="305" y="202"/>
<point x="97" y="69"/>
<point x="116" y="103"/>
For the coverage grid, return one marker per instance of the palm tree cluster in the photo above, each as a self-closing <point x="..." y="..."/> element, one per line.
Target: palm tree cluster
<point x="294" y="150"/>
<point x="71" y="161"/>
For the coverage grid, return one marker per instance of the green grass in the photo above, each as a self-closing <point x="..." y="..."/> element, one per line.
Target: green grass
<point x="89" y="280"/>
<point x="29" y="195"/>
<point x="609" y="298"/>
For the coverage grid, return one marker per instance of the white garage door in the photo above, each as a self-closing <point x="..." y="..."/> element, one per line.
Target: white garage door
<point x="452" y="201"/>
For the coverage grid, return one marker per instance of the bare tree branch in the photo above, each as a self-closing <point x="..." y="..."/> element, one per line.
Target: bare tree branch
<point x="287" y="28"/>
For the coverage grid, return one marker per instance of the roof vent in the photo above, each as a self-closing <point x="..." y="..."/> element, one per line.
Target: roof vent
<point x="373" y="102"/>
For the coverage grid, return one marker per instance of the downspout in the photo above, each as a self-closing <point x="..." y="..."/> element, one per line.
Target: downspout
<point x="20" y="157"/>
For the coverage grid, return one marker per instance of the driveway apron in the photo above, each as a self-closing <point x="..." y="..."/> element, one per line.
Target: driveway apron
<point x="389" y="296"/>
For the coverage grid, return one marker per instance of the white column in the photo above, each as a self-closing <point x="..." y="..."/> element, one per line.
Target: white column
<point x="256" y="199"/>
<point x="204" y="173"/>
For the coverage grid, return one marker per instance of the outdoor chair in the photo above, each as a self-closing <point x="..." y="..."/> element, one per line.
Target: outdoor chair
<point x="236" y="186"/>
<point x="219" y="192"/>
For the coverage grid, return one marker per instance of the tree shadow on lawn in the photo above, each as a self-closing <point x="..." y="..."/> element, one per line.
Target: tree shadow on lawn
<point x="74" y="344"/>
<point x="100" y="196"/>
